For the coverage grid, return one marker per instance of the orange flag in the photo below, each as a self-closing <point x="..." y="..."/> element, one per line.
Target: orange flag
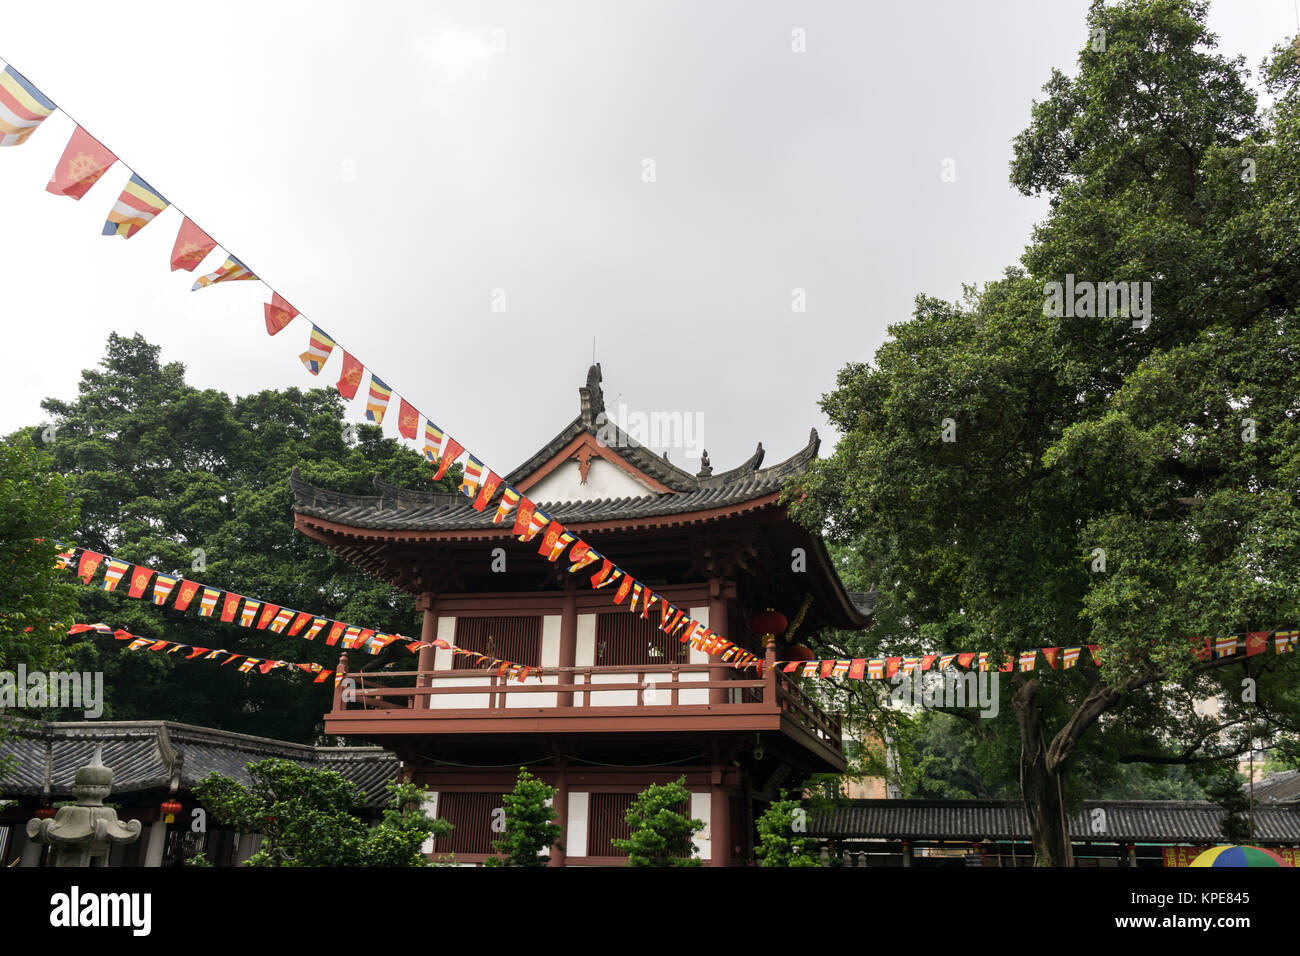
<point x="350" y="379"/>
<point x="192" y="244"/>
<point x="408" y="420"/>
<point x="84" y="160"/>
<point x="278" y="313"/>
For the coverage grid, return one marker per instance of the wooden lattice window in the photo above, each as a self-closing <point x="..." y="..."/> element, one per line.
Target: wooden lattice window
<point x="471" y="815"/>
<point x="516" y="639"/>
<point x="624" y="637"/>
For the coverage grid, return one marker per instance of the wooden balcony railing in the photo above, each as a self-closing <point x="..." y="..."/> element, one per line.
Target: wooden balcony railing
<point x="669" y="691"/>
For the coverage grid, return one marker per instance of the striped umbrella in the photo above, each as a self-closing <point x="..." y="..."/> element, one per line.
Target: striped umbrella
<point x="1239" y="856"/>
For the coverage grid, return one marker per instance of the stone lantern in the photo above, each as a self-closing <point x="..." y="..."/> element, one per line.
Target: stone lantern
<point x="83" y="834"/>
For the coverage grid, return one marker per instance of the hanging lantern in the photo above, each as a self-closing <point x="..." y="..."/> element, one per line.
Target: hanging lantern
<point x="767" y="624"/>
<point x="798" y="652"/>
<point x="170" y="808"/>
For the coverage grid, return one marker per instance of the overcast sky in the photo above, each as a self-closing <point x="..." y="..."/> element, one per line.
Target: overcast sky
<point x="386" y="166"/>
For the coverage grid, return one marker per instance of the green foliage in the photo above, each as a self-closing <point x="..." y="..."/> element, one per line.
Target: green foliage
<point x="661" y="834"/>
<point x="779" y="843"/>
<point x="37" y="603"/>
<point x="1076" y="433"/>
<point x="309" y="817"/>
<point x="1228" y="790"/>
<point x="191" y="482"/>
<point x="530" y="827"/>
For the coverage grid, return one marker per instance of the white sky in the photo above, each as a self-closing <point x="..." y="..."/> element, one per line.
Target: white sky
<point x="385" y="169"/>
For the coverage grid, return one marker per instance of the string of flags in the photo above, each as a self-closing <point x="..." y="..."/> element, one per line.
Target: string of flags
<point x="253" y="613"/>
<point x="85" y="160"/>
<point x="247" y="664"/>
<point x="278" y="619"/>
<point x="1246" y="644"/>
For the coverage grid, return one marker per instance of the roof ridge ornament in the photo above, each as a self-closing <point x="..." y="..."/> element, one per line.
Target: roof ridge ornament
<point x="592" y="398"/>
<point x="706" y="469"/>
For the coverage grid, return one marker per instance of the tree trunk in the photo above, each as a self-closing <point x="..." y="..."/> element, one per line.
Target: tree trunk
<point x="1040" y="782"/>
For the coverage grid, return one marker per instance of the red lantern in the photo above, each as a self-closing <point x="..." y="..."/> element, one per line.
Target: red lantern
<point x="170" y="808"/>
<point x="798" y="652"/>
<point x="767" y="623"/>
<point x="45" y="813"/>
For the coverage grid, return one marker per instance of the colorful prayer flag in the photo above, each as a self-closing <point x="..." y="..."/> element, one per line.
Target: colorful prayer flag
<point x="1027" y="660"/>
<point x="1284" y="642"/>
<point x="1069" y="657"/>
<point x="1050" y="653"/>
<point x="350" y="376"/>
<point x="1256" y="643"/>
<point x="229" y="606"/>
<point x="22" y="108"/>
<point x="191" y="246"/>
<point x="114" y="573"/>
<point x="278" y="313"/>
<point x="162" y="588"/>
<point x="335" y="630"/>
<point x="316" y="625"/>
<point x="946" y="660"/>
<point x="208" y="603"/>
<point x="555" y="541"/>
<point x="1225" y="646"/>
<point x="249" y="612"/>
<point x="84" y="160"/>
<point x="377" y="404"/>
<point x="134" y="209"/>
<point x="232" y="270"/>
<point x="536" y="521"/>
<point x="319" y="347"/>
<point x="472" y="476"/>
<point x="509" y="499"/>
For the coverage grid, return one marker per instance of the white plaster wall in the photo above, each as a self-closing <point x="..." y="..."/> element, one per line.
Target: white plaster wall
<point x="604" y="480"/>
<point x="701" y="808"/>
<point x="446" y="631"/>
<point x="575" y="836"/>
<point x="430" y="806"/>
<point x="700" y="614"/>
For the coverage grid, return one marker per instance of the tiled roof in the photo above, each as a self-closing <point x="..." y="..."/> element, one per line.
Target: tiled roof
<point x="401" y="509"/>
<point x="1130" y="821"/>
<point x="1278" y="787"/>
<point x="149" y="755"/>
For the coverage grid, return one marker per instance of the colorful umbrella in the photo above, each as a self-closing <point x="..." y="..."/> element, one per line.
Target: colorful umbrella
<point x="1239" y="856"/>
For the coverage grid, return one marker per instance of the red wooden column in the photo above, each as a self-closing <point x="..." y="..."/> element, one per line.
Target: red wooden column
<point x="719" y="820"/>
<point x="718" y="625"/>
<point x="561" y="804"/>
<point x="428" y="603"/>
<point x="568" y="643"/>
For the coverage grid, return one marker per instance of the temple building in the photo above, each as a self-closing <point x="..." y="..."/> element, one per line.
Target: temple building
<point x="619" y="704"/>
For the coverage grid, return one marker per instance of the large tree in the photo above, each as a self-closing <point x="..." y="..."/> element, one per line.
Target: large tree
<point x="191" y="482"/>
<point x="1012" y="478"/>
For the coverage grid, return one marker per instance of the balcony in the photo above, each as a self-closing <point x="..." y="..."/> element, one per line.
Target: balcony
<point x="627" y="699"/>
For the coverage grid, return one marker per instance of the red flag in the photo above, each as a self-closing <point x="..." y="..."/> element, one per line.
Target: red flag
<point x="186" y="594"/>
<point x="451" y="450"/>
<point x="195" y="653"/>
<point x="1256" y="642"/>
<point x="858" y="668"/>
<point x="192" y="244"/>
<point x="230" y="606"/>
<point x="278" y="313"/>
<point x="88" y="565"/>
<point x="269" y="611"/>
<point x="298" y="623"/>
<point x="350" y="377"/>
<point x="828" y="667"/>
<point x="486" y="490"/>
<point x="322" y="676"/>
<point x="965" y="659"/>
<point x="139" y="581"/>
<point x="891" y="666"/>
<point x="408" y="420"/>
<point x="335" y="630"/>
<point x="1201" y="648"/>
<point x="1050" y="653"/>
<point x="1096" y="653"/>
<point x="83" y="161"/>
